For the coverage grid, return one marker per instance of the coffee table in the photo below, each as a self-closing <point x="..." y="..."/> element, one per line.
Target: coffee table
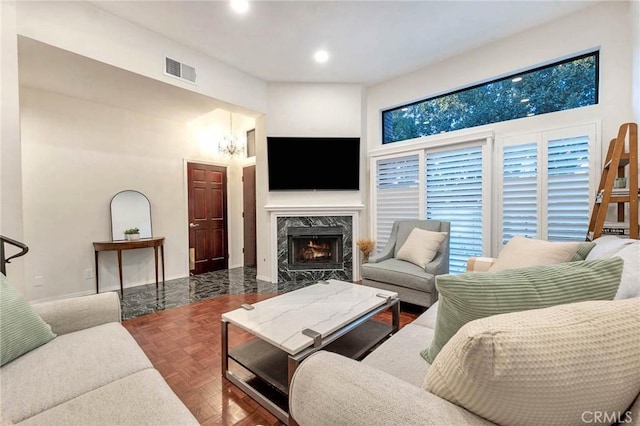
<point x="330" y="315"/>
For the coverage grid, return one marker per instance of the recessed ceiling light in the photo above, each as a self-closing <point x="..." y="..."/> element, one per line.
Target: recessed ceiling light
<point x="321" y="56"/>
<point x="240" y="6"/>
<point x="517" y="79"/>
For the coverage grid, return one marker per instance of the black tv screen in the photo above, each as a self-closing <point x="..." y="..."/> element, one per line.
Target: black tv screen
<point x="303" y="164"/>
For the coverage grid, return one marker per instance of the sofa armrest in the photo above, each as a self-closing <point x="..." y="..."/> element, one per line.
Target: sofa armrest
<point x="77" y="313"/>
<point x="480" y="264"/>
<point x="437" y="266"/>
<point x="329" y="389"/>
<point x="386" y="253"/>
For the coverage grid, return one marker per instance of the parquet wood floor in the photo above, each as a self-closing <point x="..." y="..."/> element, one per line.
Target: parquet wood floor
<point x="183" y="343"/>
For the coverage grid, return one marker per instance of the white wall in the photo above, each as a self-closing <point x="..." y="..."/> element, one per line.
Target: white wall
<point x="76" y="155"/>
<point x="84" y="29"/>
<point x="605" y="25"/>
<point x="305" y="109"/>
<point x="10" y="151"/>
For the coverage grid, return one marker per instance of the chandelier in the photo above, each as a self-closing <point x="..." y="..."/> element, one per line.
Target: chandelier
<point x="230" y="145"/>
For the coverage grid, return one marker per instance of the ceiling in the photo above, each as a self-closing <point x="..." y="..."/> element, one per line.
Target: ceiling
<point x="369" y="41"/>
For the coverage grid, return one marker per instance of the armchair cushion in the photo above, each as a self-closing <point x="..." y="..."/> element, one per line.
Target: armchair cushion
<point x="21" y="329"/>
<point x="544" y="366"/>
<point x="400" y="273"/>
<point x="470" y="296"/>
<point x="521" y="252"/>
<point x="421" y="246"/>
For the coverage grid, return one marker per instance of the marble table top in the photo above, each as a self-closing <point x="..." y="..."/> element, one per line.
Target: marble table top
<point x="321" y="307"/>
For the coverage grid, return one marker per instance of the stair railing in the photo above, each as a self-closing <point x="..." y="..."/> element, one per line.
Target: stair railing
<point x="3" y="261"/>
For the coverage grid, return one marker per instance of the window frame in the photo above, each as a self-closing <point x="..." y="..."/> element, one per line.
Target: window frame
<point x="422" y="148"/>
<point x="594" y="52"/>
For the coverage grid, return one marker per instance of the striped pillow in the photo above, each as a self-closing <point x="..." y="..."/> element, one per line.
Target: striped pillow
<point x="583" y="251"/>
<point x="21" y="329"/>
<point x="470" y="296"/>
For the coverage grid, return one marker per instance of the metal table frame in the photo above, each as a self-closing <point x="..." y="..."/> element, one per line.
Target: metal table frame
<point x="295" y="360"/>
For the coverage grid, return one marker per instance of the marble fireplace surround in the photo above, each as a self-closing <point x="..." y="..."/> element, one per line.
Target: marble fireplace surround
<point x="283" y="216"/>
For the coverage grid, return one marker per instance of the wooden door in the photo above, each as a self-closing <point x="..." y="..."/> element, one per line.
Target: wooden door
<point x="207" y="188"/>
<point x="249" y="214"/>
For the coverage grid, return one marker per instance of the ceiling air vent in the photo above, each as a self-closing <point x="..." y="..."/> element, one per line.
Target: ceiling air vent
<point x="182" y="71"/>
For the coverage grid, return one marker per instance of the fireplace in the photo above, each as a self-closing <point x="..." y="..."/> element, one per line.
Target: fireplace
<point x="311" y="248"/>
<point x="315" y="247"/>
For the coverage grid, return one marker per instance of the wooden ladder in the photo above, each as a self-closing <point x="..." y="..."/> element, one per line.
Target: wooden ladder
<point x="616" y="162"/>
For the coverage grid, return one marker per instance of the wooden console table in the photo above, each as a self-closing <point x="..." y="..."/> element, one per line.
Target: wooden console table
<point x="118" y="246"/>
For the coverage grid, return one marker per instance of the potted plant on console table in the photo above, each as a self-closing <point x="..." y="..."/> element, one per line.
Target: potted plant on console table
<point x="132" y="234"/>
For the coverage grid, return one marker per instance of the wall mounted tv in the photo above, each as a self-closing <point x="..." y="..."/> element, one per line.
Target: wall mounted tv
<point x="313" y="163"/>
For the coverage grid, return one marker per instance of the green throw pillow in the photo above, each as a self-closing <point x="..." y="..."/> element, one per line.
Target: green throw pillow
<point x="466" y="297"/>
<point x="21" y="329"/>
<point x="583" y="251"/>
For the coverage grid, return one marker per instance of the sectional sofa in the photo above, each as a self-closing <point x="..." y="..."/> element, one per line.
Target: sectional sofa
<point x="388" y="387"/>
<point x="92" y="373"/>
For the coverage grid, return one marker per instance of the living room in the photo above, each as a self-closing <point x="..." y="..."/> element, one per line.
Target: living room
<point x="67" y="151"/>
<point x="294" y="109"/>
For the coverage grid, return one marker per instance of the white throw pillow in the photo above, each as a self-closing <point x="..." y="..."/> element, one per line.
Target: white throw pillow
<point x="521" y="252"/>
<point x="630" y="281"/>
<point x="421" y="246"/>
<point x="607" y="246"/>
<point x="543" y="366"/>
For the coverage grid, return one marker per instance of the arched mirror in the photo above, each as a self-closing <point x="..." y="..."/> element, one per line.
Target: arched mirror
<point x="130" y="209"/>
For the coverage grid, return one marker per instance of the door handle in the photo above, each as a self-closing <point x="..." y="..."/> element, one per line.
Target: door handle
<point x="194" y="225"/>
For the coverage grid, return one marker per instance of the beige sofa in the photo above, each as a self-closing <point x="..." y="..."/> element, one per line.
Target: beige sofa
<point x="92" y="373"/>
<point x="385" y="388"/>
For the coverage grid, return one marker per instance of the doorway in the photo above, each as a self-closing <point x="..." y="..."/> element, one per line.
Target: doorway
<point x="249" y="214"/>
<point x="207" y="199"/>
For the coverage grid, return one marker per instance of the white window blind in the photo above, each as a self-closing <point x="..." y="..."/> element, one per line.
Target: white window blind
<point x="454" y="181"/>
<point x="520" y="191"/>
<point x="397" y="193"/>
<point x="568" y="189"/>
<point x="546" y="184"/>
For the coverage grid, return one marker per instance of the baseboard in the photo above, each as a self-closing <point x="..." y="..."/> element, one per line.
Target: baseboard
<point x="65" y="296"/>
<point x="264" y="278"/>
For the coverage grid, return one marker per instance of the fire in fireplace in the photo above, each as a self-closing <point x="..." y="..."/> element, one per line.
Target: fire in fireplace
<point x="315" y="248"/>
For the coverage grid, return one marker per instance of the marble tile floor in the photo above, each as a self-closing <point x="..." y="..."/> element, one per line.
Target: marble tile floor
<point x="146" y="299"/>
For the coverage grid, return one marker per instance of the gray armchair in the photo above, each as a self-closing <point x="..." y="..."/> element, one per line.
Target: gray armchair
<point x="413" y="284"/>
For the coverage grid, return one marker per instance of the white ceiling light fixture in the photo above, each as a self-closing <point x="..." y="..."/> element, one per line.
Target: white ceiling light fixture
<point x="321" y="56"/>
<point x="230" y="145"/>
<point x="240" y="6"/>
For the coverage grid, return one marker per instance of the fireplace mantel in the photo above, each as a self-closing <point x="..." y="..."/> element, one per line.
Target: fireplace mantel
<point x="307" y="209"/>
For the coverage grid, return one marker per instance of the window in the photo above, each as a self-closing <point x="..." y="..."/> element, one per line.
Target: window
<point x="568" y="84"/>
<point x="397" y="194"/>
<point x="450" y="183"/>
<point x="546" y="184"/>
<point x="454" y="182"/>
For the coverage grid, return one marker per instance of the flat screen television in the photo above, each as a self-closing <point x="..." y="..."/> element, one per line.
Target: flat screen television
<point x="313" y="163"/>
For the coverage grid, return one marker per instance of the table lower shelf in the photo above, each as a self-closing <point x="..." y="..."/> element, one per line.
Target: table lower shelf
<point x="269" y="363"/>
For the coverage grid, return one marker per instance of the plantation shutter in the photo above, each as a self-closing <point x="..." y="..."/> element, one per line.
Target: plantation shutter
<point x="568" y="188"/>
<point x="546" y="184"/>
<point x="520" y="191"/>
<point x="397" y="193"/>
<point x="454" y="194"/>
